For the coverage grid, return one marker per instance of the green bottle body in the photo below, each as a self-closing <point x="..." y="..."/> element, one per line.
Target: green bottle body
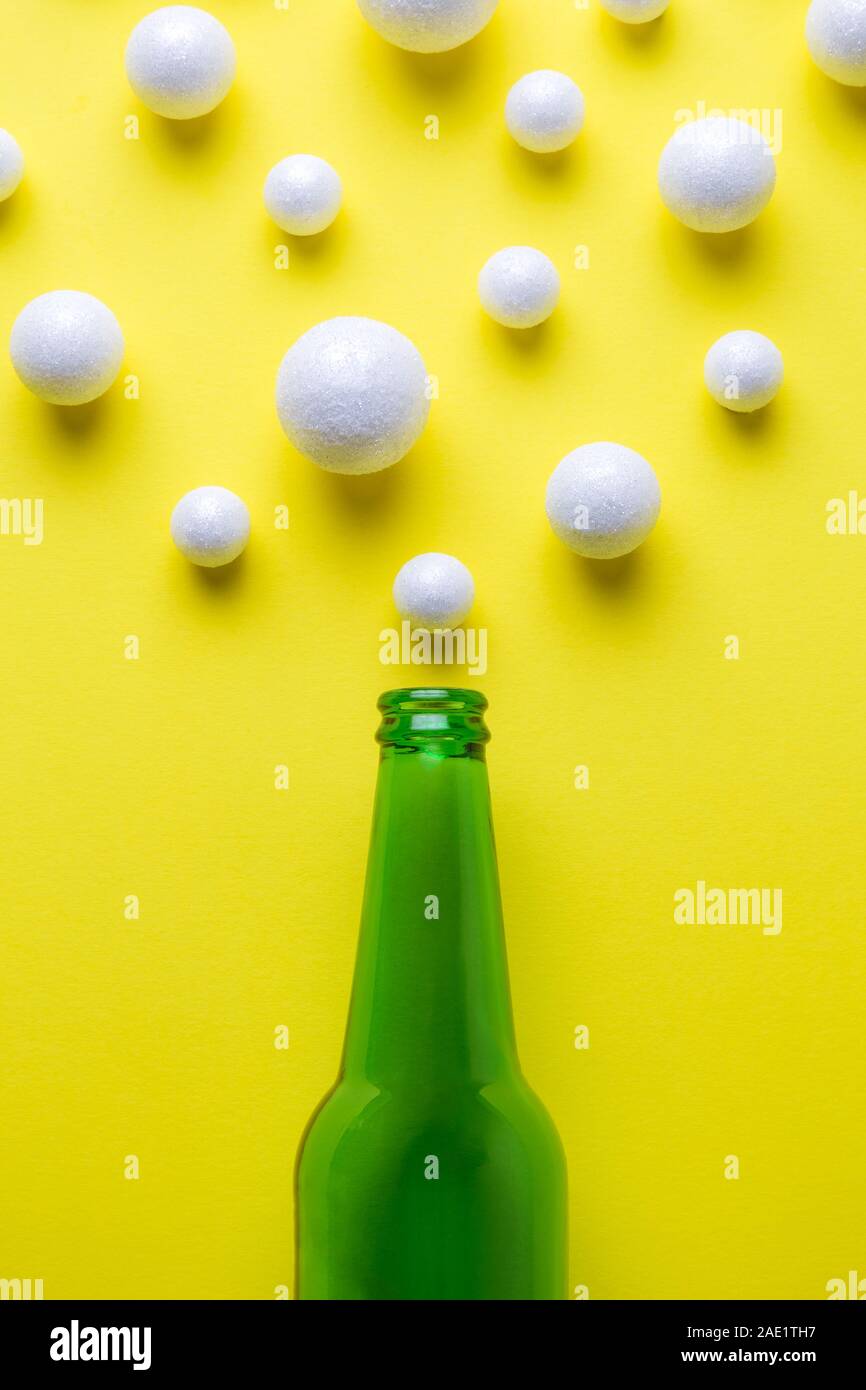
<point x="431" y="1170"/>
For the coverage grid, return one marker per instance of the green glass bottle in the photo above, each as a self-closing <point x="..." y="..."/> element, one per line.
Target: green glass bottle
<point x="431" y="1170"/>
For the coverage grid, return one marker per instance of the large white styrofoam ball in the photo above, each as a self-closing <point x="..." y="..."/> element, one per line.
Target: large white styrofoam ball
<point x="519" y="287"/>
<point x="603" y="500"/>
<point x="11" y="165"/>
<point x="352" y="395"/>
<point x="66" y="347"/>
<point x="836" y="35"/>
<point x="544" y="111"/>
<point x="434" y="591"/>
<point x="743" y="370"/>
<point x="428" y="26"/>
<point x="210" y="526"/>
<point x="635" y="11"/>
<point x="180" y="61"/>
<point x="716" y="174"/>
<point x="303" y="194"/>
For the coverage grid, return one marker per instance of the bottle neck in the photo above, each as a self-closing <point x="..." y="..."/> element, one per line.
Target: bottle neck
<point x="430" y="1003"/>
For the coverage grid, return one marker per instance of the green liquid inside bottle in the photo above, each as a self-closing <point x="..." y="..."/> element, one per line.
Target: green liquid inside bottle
<point x="431" y="1170"/>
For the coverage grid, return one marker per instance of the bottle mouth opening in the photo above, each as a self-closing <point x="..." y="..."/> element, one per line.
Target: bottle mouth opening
<point x="436" y="717"/>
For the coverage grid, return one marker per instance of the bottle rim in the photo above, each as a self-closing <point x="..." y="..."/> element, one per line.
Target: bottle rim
<point x="411" y="698"/>
<point x="437" y="718"/>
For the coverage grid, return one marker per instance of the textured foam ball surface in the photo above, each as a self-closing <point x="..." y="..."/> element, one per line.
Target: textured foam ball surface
<point x="716" y="174"/>
<point x="743" y="370"/>
<point x="66" y="347"/>
<point x="519" y="287"/>
<point x="303" y="194"/>
<point x="428" y="26"/>
<point x="210" y="526"/>
<point x="544" y="111"/>
<point x="352" y="395"/>
<point x="836" y="35"/>
<point x="11" y="164"/>
<point x="635" y="11"/>
<point x="603" y="500"/>
<point x="180" y="61"/>
<point x="434" y="591"/>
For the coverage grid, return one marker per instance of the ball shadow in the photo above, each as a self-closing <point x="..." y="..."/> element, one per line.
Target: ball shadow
<point x="713" y="250"/>
<point x="77" y="424"/>
<point x="555" y="175"/>
<point x="530" y="352"/>
<point x="15" y="210"/>
<point x="427" y="74"/>
<point x="202" y="143"/>
<point x="835" y="101"/>
<point x="364" y="501"/>
<point x="626" y="593"/>
<point x="319" y="254"/>
<point x="222" y="579"/>
<point x="654" y="38"/>
<point x="746" y="436"/>
<point x="611" y="579"/>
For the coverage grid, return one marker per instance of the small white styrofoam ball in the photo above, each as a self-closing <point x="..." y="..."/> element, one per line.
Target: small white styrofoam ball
<point x="180" y="61"/>
<point x="66" y="347"/>
<point x="544" y="111"/>
<point x="210" y="526"/>
<point x="519" y="287"/>
<point x="635" y="11"/>
<point x="434" y="591"/>
<point x="716" y="174"/>
<point x="836" y="35"/>
<point x="352" y="395"/>
<point x="11" y="165"/>
<point x="743" y="370"/>
<point x="303" y="194"/>
<point x="603" y="500"/>
<point x="428" y="26"/>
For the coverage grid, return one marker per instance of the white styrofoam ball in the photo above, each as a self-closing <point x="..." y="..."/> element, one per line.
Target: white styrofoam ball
<point x="11" y="165"/>
<point x="635" y="11"/>
<point x="66" y="347"/>
<point x="434" y="591"/>
<point x="519" y="287"/>
<point x="210" y="526"/>
<point x="544" y="111"/>
<point x="180" y="61"/>
<point x="743" y="370"/>
<point x="303" y="194"/>
<point x="352" y="395"/>
<point x="428" y="26"/>
<point x="716" y="174"/>
<point x="603" y="500"/>
<point x="836" y="35"/>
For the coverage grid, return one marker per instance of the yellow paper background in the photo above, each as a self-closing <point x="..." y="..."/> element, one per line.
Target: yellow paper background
<point x="155" y="776"/>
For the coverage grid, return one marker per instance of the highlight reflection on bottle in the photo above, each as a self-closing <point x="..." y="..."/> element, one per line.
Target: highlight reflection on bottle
<point x="431" y="1170"/>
